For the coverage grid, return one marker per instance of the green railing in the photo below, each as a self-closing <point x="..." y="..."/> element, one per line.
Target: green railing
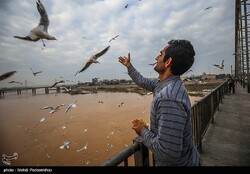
<point x="203" y="112"/>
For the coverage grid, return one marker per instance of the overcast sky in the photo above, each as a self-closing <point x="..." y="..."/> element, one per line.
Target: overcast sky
<point x="84" y="27"/>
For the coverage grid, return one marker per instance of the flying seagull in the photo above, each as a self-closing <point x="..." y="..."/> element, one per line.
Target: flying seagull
<point x="39" y="121"/>
<point x="7" y="75"/>
<point x="16" y="82"/>
<point x="208" y="8"/>
<point x="35" y="73"/>
<point x="60" y="81"/>
<point x="71" y="106"/>
<point x="65" y="145"/>
<point x="220" y="67"/>
<point x="93" y="59"/>
<point x="67" y="89"/>
<point x="53" y="110"/>
<point x="84" y="147"/>
<point x="40" y="31"/>
<point x="114" y="38"/>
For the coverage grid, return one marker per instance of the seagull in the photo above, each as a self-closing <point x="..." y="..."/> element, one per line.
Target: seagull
<point x="71" y="106"/>
<point x="208" y="8"/>
<point x="60" y="81"/>
<point x="126" y="6"/>
<point x="65" y="145"/>
<point x="67" y="89"/>
<point x="122" y="103"/>
<point x="16" y="82"/>
<point x="7" y="75"/>
<point x="35" y="73"/>
<point x="84" y="147"/>
<point x="53" y="110"/>
<point x="39" y="121"/>
<point x="93" y="59"/>
<point x="41" y="31"/>
<point x="220" y="67"/>
<point x="114" y="38"/>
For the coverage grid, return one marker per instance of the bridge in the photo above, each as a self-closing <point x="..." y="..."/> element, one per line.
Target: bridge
<point x="33" y="89"/>
<point x="227" y="140"/>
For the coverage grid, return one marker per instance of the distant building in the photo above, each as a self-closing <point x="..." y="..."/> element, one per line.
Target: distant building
<point x="205" y="76"/>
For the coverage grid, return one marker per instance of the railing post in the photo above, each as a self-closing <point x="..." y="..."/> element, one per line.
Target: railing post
<point x="199" y="127"/>
<point x="58" y="89"/>
<point x="19" y="91"/>
<point x="212" y="107"/>
<point x="141" y="156"/>
<point x="34" y="91"/>
<point x="46" y="90"/>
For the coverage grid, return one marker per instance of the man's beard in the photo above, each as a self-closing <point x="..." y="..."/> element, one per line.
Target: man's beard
<point x="160" y="70"/>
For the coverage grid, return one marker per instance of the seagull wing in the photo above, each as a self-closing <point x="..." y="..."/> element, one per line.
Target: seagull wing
<point x="6" y="75"/>
<point x="47" y="107"/>
<point x="59" y="106"/>
<point x="44" y="20"/>
<point x="86" y="66"/>
<point x="67" y="109"/>
<point x="72" y="105"/>
<point x="111" y="39"/>
<point x="15" y="82"/>
<point x="222" y="63"/>
<point x="39" y="121"/>
<point x="38" y="72"/>
<point x="101" y="52"/>
<point x="114" y="38"/>
<point x="54" y="84"/>
<point x="32" y="70"/>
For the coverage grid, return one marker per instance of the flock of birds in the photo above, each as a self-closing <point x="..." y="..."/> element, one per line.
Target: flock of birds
<point x="66" y="144"/>
<point x="55" y="109"/>
<point x="40" y="32"/>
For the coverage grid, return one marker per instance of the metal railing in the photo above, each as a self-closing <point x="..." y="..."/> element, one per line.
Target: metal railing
<point x="203" y="112"/>
<point x="140" y="152"/>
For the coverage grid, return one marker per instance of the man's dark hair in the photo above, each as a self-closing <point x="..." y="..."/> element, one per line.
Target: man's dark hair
<point x="182" y="53"/>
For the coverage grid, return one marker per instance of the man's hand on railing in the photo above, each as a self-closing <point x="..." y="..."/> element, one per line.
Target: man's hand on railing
<point x="138" y="125"/>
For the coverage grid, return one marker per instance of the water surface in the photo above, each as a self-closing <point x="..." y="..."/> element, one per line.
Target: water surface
<point x="99" y="120"/>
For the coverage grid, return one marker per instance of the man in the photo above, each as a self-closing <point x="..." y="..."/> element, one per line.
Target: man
<point x="170" y="135"/>
<point x="231" y="85"/>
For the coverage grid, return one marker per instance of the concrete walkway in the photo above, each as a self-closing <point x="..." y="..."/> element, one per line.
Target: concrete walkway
<point x="227" y="141"/>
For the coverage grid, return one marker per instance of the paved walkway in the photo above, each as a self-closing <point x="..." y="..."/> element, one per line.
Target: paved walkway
<point x="227" y="141"/>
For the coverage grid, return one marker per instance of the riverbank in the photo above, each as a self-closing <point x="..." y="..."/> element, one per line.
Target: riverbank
<point x="194" y="88"/>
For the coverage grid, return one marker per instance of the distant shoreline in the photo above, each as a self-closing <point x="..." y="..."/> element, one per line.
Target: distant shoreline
<point x="193" y="88"/>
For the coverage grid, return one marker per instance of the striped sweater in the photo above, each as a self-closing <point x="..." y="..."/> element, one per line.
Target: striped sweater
<point x="170" y="135"/>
